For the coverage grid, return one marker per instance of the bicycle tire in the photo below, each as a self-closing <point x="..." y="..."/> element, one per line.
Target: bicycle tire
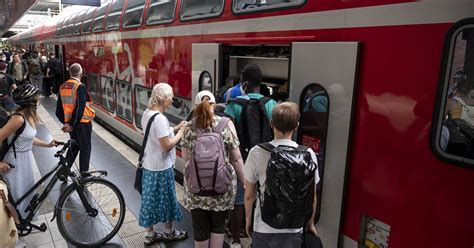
<point x="62" y="217"/>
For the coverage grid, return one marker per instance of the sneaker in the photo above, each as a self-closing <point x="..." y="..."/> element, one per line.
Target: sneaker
<point x="149" y="241"/>
<point x="235" y="245"/>
<point x="176" y="235"/>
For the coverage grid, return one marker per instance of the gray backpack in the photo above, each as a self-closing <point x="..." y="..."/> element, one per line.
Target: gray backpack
<point x="207" y="173"/>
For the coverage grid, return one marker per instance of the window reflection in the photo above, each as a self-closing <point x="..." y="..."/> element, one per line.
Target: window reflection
<point x="205" y="81"/>
<point x="160" y="11"/>
<point x="197" y="9"/>
<point x="134" y="14"/>
<point x="457" y="134"/>
<point x="107" y="94"/>
<point x="314" y="107"/>
<point x="251" y="5"/>
<point x="124" y="100"/>
<point x="142" y="95"/>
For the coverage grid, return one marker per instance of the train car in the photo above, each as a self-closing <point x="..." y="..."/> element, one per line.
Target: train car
<point x="388" y="68"/>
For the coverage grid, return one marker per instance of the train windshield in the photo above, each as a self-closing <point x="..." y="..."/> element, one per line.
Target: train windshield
<point x="198" y="9"/>
<point x="256" y="5"/>
<point x="160" y="11"/>
<point x="134" y="14"/>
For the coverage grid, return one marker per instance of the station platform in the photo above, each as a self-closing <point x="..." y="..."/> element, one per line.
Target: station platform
<point x="119" y="160"/>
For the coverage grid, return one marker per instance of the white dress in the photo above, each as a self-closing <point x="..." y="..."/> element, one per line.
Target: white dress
<point x="20" y="179"/>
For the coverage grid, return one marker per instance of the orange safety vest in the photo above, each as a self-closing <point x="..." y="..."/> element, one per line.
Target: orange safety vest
<point x="68" y="93"/>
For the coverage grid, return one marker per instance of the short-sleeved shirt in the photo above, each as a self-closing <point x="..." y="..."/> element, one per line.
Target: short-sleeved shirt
<point x="222" y="202"/>
<point x="154" y="158"/>
<point x="255" y="170"/>
<point x="234" y="110"/>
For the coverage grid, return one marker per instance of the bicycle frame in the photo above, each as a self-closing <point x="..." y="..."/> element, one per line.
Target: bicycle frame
<point x="62" y="168"/>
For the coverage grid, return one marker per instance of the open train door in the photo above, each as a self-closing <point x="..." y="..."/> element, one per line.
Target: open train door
<point x="206" y="64"/>
<point x="330" y="66"/>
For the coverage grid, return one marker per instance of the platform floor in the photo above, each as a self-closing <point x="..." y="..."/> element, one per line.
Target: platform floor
<point x="112" y="155"/>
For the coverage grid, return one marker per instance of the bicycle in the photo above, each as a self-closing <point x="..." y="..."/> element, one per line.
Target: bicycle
<point x="89" y="204"/>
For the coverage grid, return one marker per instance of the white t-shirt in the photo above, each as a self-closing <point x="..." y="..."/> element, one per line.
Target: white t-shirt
<point x="155" y="159"/>
<point x="255" y="170"/>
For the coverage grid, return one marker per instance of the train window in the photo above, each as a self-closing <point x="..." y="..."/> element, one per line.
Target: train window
<point x="124" y="100"/>
<point x="199" y="9"/>
<point x="107" y="92"/>
<point x="314" y="109"/>
<point x="98" y="23"/>
<point x="142" y="95"/>
<point x="113" y="18"/>
<point x="94" y="88"/>
<point x="205" y="81"/>
<point x="134" y="14"/>
<point x="70" y="27"/>
<point x="245" y="6"/>
<point x="78" y="23"/>
<point x="86" y="24"/>
<point x="160" y="11"/>
<point x="453" y="139"/>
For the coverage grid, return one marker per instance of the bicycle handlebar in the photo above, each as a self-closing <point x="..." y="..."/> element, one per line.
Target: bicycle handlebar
<point x="66" y="145"/>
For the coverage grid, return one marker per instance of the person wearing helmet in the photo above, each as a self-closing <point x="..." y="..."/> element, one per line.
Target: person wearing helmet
<point x="74" y="110"/>
<point x="17" y="165"/>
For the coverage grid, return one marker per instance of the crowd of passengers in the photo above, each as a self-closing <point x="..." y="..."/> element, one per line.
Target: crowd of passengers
<point x="244" y="176"/>
<point x="228" y="157"/>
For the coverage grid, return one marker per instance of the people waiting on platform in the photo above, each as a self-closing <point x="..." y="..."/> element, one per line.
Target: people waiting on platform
<point x="158" y="202"/>
<point x="34" y="68"/>
<point x="74" y="110"/>
<point x="20" y="130"/>
<point x="54" y="72"/>
<point x="7" y="85"/>
<point x="18" y="70"/>
<point x="209" y="211"/>
<point x="286" y="230"/>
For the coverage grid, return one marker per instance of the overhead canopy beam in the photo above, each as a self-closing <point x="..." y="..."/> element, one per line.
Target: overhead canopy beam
<point x="11" y="11"/>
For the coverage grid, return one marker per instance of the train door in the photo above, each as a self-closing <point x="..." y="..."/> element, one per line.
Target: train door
<point x="320" y="69"/>
<point x="206" y="64"/>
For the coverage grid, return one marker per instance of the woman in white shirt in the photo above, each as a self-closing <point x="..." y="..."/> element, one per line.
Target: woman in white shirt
<point x="159" y="203"/>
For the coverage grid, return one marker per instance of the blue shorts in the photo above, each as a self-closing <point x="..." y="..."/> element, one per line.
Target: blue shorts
<point x="239" y="197"/>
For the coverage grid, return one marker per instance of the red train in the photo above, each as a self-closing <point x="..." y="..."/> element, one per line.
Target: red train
<point x="386" y="66"/>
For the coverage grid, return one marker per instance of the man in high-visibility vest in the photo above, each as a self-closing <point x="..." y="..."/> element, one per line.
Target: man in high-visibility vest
<point x="74" y="110"/>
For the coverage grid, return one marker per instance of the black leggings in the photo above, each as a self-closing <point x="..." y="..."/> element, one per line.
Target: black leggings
<point x="206" y="222"/>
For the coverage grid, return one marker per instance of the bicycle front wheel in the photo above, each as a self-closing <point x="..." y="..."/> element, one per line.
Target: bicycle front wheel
<point x="98" y="225"/>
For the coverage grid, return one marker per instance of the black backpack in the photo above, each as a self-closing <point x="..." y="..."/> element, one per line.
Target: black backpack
<point x="289" y="187"/>
<point x="4" y="84"/>
<point x="4" y="117"/>
<point x="254" y="127"/>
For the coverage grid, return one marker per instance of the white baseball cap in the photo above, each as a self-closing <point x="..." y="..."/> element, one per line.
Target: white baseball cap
<point x="201" y="94"/>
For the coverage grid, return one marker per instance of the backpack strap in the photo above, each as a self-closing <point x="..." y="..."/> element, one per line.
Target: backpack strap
<point x="264" y="100"/>
<point x="241" y="101"/>
<point x="267" y="146"/>
<point x="17" y="134"/>
<point x="222" y="124"/>
<point x="147" y="132"/>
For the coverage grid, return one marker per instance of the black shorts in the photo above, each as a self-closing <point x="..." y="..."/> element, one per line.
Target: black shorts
<point x="206" y="222"/>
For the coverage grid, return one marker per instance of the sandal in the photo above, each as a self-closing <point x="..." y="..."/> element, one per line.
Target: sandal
<point x="149" y="241"/>
<point x="176" y="235"/>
